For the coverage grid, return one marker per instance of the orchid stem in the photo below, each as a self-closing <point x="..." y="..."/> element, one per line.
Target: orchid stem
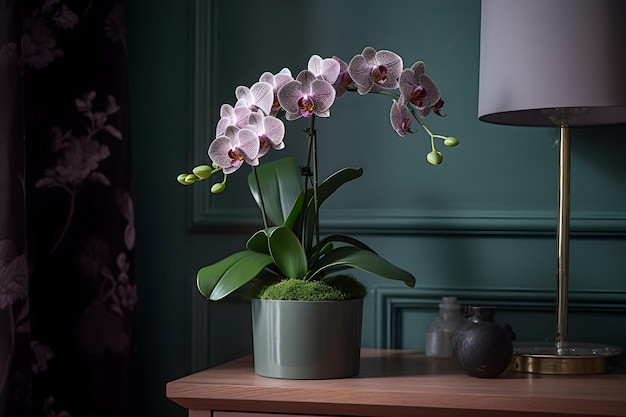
<point x="312" y="161"/>
<point x="315" y="179"/>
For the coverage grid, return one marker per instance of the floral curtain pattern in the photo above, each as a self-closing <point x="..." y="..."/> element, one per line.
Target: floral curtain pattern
<point x="67" y="288"/>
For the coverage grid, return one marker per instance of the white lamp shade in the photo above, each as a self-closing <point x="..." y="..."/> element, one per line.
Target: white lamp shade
<point x="541" y="55"/>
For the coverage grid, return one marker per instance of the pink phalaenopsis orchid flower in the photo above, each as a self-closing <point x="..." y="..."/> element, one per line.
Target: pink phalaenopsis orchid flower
<point x="231" y="116"/>
<point x="258" y="97"/>
<point x="235" y="147"/>
<point x="305" y="96"/>
<point x="418" y="88"/>
<point x="400" y="119"/>
<point x="270" y="132"/>
<point x="343" y="79"/>
<point x="277" y="81"/>
<point x="375" y="68"/>
<point x="324" y="69"/>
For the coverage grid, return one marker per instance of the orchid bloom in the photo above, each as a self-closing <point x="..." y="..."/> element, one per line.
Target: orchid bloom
<point x="305" y="96"/>
<point x="235" y="147"/>
<point x="418" y="88"/>
<point x="343" y="79"/>
<point x="258" y="97"/>
<point x="324" y="69"/>
<point x="270" y="132"/>
<point x="375" y="68"/>
<point x="231" y="116"/>
<point x="400" y="119"/>
<point x="436" y="108"/>
<point x="277" y="81"/>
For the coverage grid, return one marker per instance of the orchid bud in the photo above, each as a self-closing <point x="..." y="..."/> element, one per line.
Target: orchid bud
<point x="451" y="141"/>
<point x="434" y="157"/>
<point x="203" y="171"/>
<point x="190" y="179"/>
<point x="181" y="179"/>
<point x="218" y="187"/>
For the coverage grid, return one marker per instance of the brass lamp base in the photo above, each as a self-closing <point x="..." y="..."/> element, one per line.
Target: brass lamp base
<point x="575" y="359"/>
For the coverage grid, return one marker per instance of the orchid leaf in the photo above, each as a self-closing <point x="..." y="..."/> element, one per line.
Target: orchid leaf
<point x="280" y="186"/>
<point x="344" y="239"/>
<point x="324" y="191"/>
<point x="218" y="280"/>
<point x="287" y="252"/>
<point x="258" y="241"/>
<point x="365" y="260"/>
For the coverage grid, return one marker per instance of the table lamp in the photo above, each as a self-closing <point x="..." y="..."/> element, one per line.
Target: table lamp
<point x="555" y="63"/>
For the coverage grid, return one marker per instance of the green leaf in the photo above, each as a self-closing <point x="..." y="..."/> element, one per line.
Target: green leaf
<point x="258" y="241"/>
<point x="218" y="280"/>
<point x="280" y="186"/>
<point x="287" y="253"/>
<point x="365" y="260"/>
<point x="344" y="239"/>
<point x="324" y="191"/>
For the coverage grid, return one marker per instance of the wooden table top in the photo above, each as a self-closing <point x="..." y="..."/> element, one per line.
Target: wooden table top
<point x="403" y="383"/>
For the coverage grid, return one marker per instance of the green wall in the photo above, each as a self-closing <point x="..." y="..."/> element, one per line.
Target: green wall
<point x="480" y="226"/>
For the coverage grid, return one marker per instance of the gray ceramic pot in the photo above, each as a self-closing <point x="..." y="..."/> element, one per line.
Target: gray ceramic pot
<point x="307" y="339"/>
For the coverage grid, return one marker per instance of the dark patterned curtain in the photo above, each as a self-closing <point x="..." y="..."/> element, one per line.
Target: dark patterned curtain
<point x="67" y="289"/>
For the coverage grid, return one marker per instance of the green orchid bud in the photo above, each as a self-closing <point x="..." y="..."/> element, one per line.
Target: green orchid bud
<point x="181" y="179"/>
<point x="215" y="166"/>
<point x="218" y="187"/>
<point x="434" y="157"/>
<point x="451" y="141"/>
<point x="190" y="179"/>
<point x="203" y="171"/>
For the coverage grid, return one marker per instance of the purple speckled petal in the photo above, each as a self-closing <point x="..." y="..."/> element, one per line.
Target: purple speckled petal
<point x="323" y="97"/>
<point x="400" y="119"/>
<point x="218" y="151"/>
<point x="406" y="84"/>
<point x="393" y="63"/>
<point x="289" y="95"/>
<point x="248" y="145"/>
<point x="369" y="54"/>
<point x="306" y="78"/>
<point x="419" y="67"/>
<point x="431" y="88"/>
<point x="359" y="71"/>
<point x="259" y="96"/>
<point x="274" y="130"/>
<point x="343" y="79"/>
<point x="325" y="69"/>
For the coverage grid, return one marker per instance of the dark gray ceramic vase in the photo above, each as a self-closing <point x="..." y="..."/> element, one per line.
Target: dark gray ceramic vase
<point x="480" y="347"/>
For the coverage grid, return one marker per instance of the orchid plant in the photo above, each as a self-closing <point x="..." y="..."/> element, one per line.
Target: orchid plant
<point x="290" y="245"/>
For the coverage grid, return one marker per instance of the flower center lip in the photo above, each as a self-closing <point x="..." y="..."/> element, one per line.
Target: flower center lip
<point x="379" y="74"/>
<point x="235" y="156"/>
<point x="306" y="106"/>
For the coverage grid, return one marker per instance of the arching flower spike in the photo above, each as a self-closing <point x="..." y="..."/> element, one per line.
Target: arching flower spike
<point x="305" y="96"/>
<point x="234" y="148"/>
<point x="371" y="67"/>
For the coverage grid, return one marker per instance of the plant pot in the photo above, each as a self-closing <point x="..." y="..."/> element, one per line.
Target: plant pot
<point x="307" y="339"/>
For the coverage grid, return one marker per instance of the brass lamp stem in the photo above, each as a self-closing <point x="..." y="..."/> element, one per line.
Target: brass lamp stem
<point x="563" y="239"/>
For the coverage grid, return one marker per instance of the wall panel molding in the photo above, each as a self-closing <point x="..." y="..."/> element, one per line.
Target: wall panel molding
<point x="392" y="304"/>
